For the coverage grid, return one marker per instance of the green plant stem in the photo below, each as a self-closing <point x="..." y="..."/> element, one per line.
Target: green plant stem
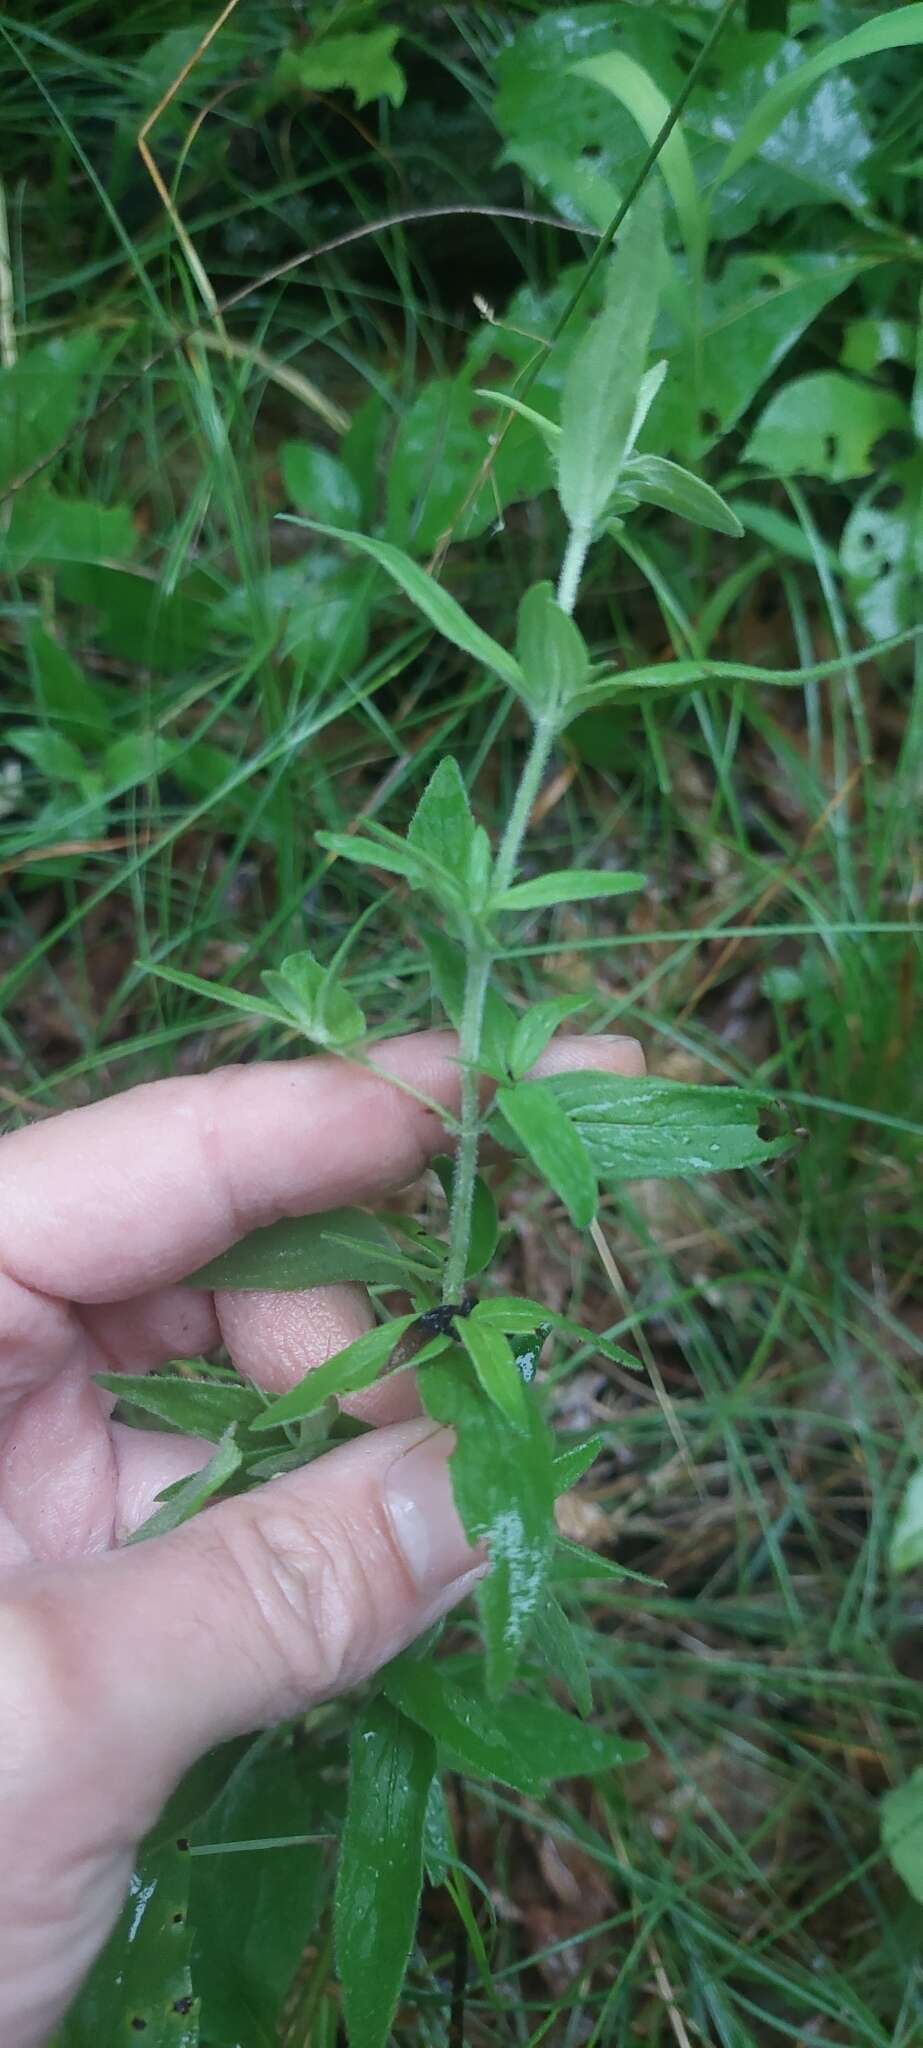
<point x="480" y="964"/>
<point x="572" y="567"/>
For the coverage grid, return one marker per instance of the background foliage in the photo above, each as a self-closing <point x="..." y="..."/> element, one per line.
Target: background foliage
<point x="192" y="688"/>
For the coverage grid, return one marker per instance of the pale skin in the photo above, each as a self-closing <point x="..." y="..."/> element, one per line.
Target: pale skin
<point x="118" y="1668"/>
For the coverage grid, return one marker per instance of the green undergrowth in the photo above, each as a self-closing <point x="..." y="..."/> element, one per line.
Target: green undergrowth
<point x="195" y="687"/>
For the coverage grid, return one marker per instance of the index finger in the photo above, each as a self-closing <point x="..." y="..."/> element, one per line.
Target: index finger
<point x="132" y="1193"/>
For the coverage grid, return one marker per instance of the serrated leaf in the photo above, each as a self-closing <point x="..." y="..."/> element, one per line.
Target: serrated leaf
<point x="522" y="1742"/>
<point x="306" y="1251"/>
<point x="907" y="1540"/>
<point x="392" y="1762"/>
<point x="361" y="63"/>
<point x="502" y="1483"/>
<point x="442" y="826"/>
<point x="661" y="1129"/>
<point x="902" y="1831"/>
<point x="435" y="603"/>
<point x="567" y="885"/>
<point x="551" y="650"/>
<point x="658" y="482"/>
<point x="495" y="1365"/>
<point x="537" y="1027"/>
<point x="558" y="1645"/>
<point x="188" y="1496"/>
<point x="602" y="382"/>
<point x="548" y="1134"/>
<point x="315" y="1001"/>
<point x="356" y="1366"/>
<point x="195" y="1407"/>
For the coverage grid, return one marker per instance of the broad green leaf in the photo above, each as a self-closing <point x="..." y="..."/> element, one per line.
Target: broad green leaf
<point x="537" y="1027"/>
<point x="40" y="397"/>
<point x="136" y="757"/>
<point x="435" y="603"/>
<point x="526" y="1743"/>
<point x="554" y="1144"/>
<point x="196" y="1407"/>
<point x="442" y="826"/>
<point x="495" y="1365"/>
<point x="552" y="652"/>
<point x="558" y="1645"/>
<point x="881" y="550"/>
<point x="567" y="885"/>
<point x="503" y="1490"/>
<point x="187" y="1496"/>
<point x="197" y="1791"/>
<point x="76" y="705"/>
<point x="902" y="1831"/>
<point x="315" y="1001"/>
<point x="900" y="29"/>
<point x="907" y="1539"/>
<point x="45" y="527"/>
<point x="633" y="86"/>
<point x="657" y="1128"/>
<point x="356" y="1366"/>
<point x="392" y="1763"/>
<point x="306" y="1251"/>
<point x="570" y="1463"/>
<point x="50" y="752"/>
<point x="602" y="383"/>
<point x="319" y="483"/>
<point x="434" y="461"/>
<point x="143" y="1974"/>
<point x="824" y="425"/>
<point x="361" y="63"/>
<point x="254" y="1901"/>
<point x="658" y="482"/>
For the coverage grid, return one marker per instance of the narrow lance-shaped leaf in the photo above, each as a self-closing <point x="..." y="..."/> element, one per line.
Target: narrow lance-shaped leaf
<point x="900" y="28"/>
<point x="442" y="826"/>
<point x="567" y="885"/>
<point x="356" y="1366"/>
<point x="495" y="1365"/>
<point x="667" y="484"/>
<point x="392" y="1761"/>
<point x="522" y="1742"/>
<point x="552" y="653"/>
<point x="537" y="1027"/>
<point x="606" y="369"/>
<point x="633" y="86"/>
<point x="429" y="597"/>
<point x="306" y="1251"/>
<point x="555" y="1145"/>
<point x="188" y="1496"/>
<point x="559" y="1647"/>
<point x="501" y="1479"/>
<point x="194" y="1407"/>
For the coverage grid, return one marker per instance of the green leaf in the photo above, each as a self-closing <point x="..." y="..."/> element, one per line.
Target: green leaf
<point x="315" y="1001"/>
<point x="661" y="1129"/>
<point x="602" y="383"/>
<point x="392" y="1762"/>
<point x="254" y="1907"/>
<point x="559" y="1647"/>
<point x="362" y="64"/>
<point x="824" y="425"/>
<point x="306" y="1251"/>
<point x="554" y="1145"/>
<point x="522" y="1742"/>
<point x="442" y="827"/>
<point x="356" y="1366"/>
<point x="898" y="30"/>
<point x="183" y="1500"/>
<point x="570" y="1463"/>
<point x="45" y="527"/>
<point x="658" y="482"/>
<point x="567" y="885"/>
<point x="537" y="1027"/>
<point x="439" y="1852"/>
<point x="881" y="550"/>
<point x="40" y="396"/>
<point x="143" y="1974"/>
<point x="136" y="757"/>
<point x="196" y="1407"/>
<point x="495" y="1365"/>
<point x="217" y="992"/>
<point x="49" y="751"/>
<point x="485" y="1224"/>
<point x="434" y="462"/>
<point x="435" y="603"/>
<point x="387" y="853"/>
<point x="571" y="1564"/>
<point x="319" y="483"/>
<point x="447" y="962"/>
<point x="549" y="429"/>
<point x="902" y="1831"/>
<point x="907" y="1540"/>
<point x="633" y="86"/>
<point x="551" y="650"/>
<point x="74" y="703"/>
<point x="503" y="1490"/>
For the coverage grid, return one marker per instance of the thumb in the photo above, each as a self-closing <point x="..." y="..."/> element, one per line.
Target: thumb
<point x="116" y="1673"/>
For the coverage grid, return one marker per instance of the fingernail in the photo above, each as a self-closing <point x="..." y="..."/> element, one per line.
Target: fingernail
<point x="424" y="1518"/>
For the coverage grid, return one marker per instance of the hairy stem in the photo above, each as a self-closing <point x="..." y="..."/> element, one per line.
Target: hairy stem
<point x="572" y="567"/>
<point x="480" y="963"/>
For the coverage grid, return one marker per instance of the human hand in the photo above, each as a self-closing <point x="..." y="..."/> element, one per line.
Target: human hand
<point x="119" y="1667"/>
